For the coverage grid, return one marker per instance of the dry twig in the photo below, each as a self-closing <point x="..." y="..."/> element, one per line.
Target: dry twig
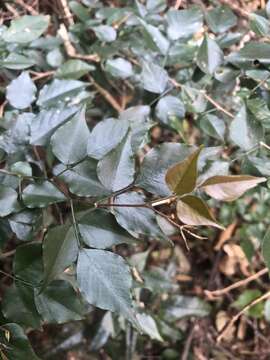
<point x="67" y="12"/>
<point x="238" y="315"/>
<point x="236" y="285"/>
<point x="70" y="49"/>
<point x="27" y="7"/>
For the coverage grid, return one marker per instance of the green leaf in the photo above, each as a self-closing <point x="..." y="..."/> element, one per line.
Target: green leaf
<point x="259" y="24"/>
<point x="105" y="137"/>
<point x="245" y="130"/>
<point x="47" y="121"/>
<point x="105" y="33"/>
<point x="21" y="168"/>
<point x="59" y="303"/>
<point x="73" y="69"/>
<point x="149" y="326"/>
<point x="18" y="306"/>
<point x="256" y="311"/>
<point x="154" y="78"/>
<point x="26" y="96"/>
<point x="59" y="90"/>
<point x="220" y="19"/>
<point x="18" y="346"/>
<point x="26" y="29"/>
<point x="184" y="23"/>
<point x="138" y="220"/>
<point x="119" y="68"/>
<point x="8" y="200"/>
<point x="116" y="169"/>
<point x="76" y="134"/>
<point x="181" y="178"/>
<point x="100" y="230"/>
<point x="60" y="250"/>
<point x="82" y="179"/>
<point x="253" y="51"/>
<point x="17" y="62"/>
<point x="180" y="306"/>
<point x="231" y="187"/>
<point x="41" y="195"/>
<point x="210" y="56"/>
<point x="168" y="108"/>
<point x="193" y="211"/>
<point x="156" y="39"/>
<point x="266" y="248"/>
<point x="155" y="165"/>
<point x="23" y="224"/>
<point x="259" y="108"/>
<point x="213" y="126"/>
<point x="55" y="58"/>
<point x="105" y="281"/>
<point x="27" y="264"/>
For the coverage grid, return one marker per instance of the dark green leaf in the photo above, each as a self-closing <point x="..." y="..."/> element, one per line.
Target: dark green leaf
<point x="47" y="121"/>
<point x="76" y="134"/>
<point x="73" y="69"/>
<point x="27" y="96"/>
<point x="18" y="346"/>
<point x="8" y="200"/>
<point x="155" y="165"/>
<point x="266" y="248"/>
<point x="100" y="230"/>
<point x="184" y="23"/>
<point x="137" y="219"/>
<point x="26" y="28"/>
<point x="41" y="195"/>
<point x="59" y="90"/>
<point x="105" y="136"/>
<point x="60" y="250"/>
<point x="169" y="108"/>
<point x="119" y="68"/>
<point x="220" y="19"/>
<point x="17" y="62"/>
<point x="59" y="303"/>
<point x="245" y="130"/>
<point x="154" y="78"/>
<point x="116" y="170"/>
<point x="210" y="56"/>
<point x="105" y="281"/>
<point x="82" y="179"/>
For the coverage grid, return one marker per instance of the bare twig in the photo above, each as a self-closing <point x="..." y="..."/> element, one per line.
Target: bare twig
<point x="26" y="7"/>
<point x="236" y="285"/>
<point x="217" y="105"/>
<point x="13" y="11"/>
<point x="67" y="12"/>
<point x="233" y="5"/>
<point x="70" y="49"/>
<point x="41" y="75"/>
<point x="208" y="98"/>
<point x="238" y="315"/>
<point x="7" y="254"/>
<point x="177" y="4"/>
<point x="107" y="96"/>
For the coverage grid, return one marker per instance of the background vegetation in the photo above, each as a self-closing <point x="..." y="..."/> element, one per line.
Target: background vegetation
<point x="128" y="129"/>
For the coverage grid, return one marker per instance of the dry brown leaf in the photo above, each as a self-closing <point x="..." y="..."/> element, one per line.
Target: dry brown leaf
<point x="225" y="235"/>
<point x="182" y="261"/>
<point x="235" y="256"/>
<point x="221" y="320"/>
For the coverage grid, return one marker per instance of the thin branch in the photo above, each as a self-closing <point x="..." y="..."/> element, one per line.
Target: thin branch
<point x="217" y="105"/>
<point x="67" y="12"/>
<point x="70" y="49"/>
<point x="41" y="75"/>
<point x="208" y="98"/>
<point x="13" y="11"/>
<point x="229" y="325"/>
<point x="236" y="285"/>
<point x="7" y="254"/>
<point x="26" y="7"/>
<point x="177" y="4"/>
<point x="107" y="96"/>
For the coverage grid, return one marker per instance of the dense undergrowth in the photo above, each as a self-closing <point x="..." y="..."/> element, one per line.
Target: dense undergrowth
<point x="134" y="194"/>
